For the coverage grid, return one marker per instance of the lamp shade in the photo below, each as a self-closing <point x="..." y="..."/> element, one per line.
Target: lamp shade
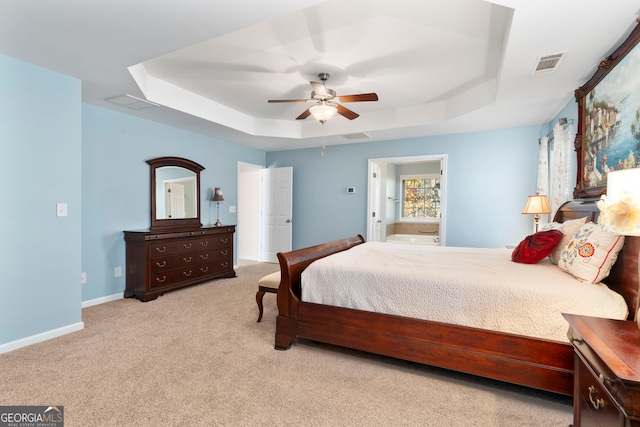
<point x="620" y="208"/>
<point x="538" y="204"/>
<point x="323" y="112"/>
<point x="217" y="195"/>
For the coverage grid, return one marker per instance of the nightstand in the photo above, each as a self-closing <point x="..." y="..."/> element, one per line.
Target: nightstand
<point x="606" y="385"/>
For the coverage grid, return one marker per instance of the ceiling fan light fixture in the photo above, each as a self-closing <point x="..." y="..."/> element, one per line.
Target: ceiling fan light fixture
<point x="323" y="112"/>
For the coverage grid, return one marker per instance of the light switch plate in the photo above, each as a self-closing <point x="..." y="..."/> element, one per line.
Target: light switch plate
<point x="61" y="209"/>
<point x="232" y="209"/>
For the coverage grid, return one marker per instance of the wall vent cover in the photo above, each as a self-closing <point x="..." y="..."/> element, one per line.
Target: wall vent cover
<point x="358" y="135"/>
<point x="131" y="101"/>
<point x="548" y="63"/>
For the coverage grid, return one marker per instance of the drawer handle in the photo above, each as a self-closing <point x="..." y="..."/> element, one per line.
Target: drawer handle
<point x="204" y="269"/>
<point x="224" y="264"/>
<point x="164" y="248"/>
<point x="187" y="259"/>
<point x="204" y="256"/>
<point x="187" y="274"/>
<point x="186" y="246"/>
<point x="224" y="252"/>
<point x="224" y="240"/>
<point x="161" y="265"/>
<point x="159" y="280"/>
<point x="597" y="403"/>
<point x="205" y="243"/>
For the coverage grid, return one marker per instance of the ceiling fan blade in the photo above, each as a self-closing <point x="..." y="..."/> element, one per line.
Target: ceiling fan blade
<point x="306" y="113"/>
<point x="346" y="112"/>
<point x="319" y="88"/>
<point x="359" y="98"/>
<point x="288" y="100"/>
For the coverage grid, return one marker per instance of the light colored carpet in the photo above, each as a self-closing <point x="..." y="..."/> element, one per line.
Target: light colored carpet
<point x="197" y="357"/>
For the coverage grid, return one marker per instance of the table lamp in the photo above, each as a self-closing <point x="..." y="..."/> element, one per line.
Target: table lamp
<point x="538" y="204"/>
<point x="217" y="197"/>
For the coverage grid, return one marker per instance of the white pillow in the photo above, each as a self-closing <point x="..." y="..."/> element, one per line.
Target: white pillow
<point x="568" y="228"/>
<point x="590" y="253"/>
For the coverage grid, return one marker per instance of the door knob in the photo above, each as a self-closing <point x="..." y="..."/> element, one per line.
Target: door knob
<point x="289" y="221"/>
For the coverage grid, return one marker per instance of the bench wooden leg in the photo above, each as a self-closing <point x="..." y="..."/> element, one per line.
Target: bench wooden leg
<point x="259" y="295"/>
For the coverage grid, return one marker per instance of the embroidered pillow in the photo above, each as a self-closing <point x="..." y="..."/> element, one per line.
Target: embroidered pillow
<point x="536" y="247"/>
<point x="568" y="228"/>
<point x="590" y="253"/>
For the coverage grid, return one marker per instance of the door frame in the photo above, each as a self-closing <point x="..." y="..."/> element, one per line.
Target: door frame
<point x="371" y="198"/>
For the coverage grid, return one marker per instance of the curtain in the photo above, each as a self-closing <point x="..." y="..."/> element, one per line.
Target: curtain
<point x="554" y="163"/>
<point x="559" y="159"/>
<point x="542" y="186"/>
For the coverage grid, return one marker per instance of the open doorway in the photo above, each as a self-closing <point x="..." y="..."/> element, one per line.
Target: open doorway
<point x="248" y="226"/>
<point x="386" y="211"/>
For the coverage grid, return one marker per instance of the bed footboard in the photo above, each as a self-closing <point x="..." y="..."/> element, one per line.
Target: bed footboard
<point x="292" y="264"/>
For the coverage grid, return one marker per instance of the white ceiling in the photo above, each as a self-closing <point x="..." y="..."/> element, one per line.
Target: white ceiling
<point x="438" y="67"/>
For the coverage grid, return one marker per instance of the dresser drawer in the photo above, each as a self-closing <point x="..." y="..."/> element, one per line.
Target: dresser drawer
<point x="173" y="277"/>
<point x="172" y="247"/>
<point x="596" y="406"/>
<point x="176" y="261"/>
<point x="213" y="242"/>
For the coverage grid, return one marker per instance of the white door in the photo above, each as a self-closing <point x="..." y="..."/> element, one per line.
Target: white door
<point x="174" y="200"/>
<point x="276" y="215"/>
<point x="376" y="214"/>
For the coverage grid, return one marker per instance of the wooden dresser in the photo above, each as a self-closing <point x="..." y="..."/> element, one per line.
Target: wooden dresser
<point x="607" y="371"/>
<point x="161" y="261"/>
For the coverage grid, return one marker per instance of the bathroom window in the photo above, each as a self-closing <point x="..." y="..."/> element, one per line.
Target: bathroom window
<point x="420" y="197"/>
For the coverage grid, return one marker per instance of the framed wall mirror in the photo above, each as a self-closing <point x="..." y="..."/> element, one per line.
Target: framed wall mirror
<point x="175" y="193"/>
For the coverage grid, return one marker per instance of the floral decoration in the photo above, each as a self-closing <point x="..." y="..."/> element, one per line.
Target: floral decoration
<point x="621" y="217"/>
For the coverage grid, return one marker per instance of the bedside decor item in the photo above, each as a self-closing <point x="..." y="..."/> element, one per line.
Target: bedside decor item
<point x="217" y="197"/>
<point x="538" y="204"/>
<point x="620" y="207"/>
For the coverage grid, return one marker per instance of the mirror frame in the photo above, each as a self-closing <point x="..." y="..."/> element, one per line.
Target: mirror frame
<point x="168" y="224"/>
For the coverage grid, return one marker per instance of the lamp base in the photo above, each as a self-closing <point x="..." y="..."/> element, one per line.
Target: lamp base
<point x="218" y="223"/>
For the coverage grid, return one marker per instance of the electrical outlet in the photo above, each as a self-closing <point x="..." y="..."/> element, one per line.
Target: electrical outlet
<point x="83" y="278"/>
<point x="117" y="272"/>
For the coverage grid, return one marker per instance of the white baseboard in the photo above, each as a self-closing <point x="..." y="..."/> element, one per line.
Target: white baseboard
<point x="44" y="336"/>
<point x="102" y="300"/>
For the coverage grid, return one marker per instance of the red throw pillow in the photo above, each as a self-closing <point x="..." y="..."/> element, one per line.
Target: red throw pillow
<point x="534" y="248"/>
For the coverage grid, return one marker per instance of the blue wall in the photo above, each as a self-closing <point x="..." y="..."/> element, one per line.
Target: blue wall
<point x="490" y="174"/>
<point x="57" y="149"/>
<point x="116" y="185"/>
<point x="40" y="132"/>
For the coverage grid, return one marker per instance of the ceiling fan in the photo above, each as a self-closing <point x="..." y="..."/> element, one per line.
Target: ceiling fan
<point x="326" y="101"/>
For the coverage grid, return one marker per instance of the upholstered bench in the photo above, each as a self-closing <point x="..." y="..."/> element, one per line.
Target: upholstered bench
<point x="270" y="284"/>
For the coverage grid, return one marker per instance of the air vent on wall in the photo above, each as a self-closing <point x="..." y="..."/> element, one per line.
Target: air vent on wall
<point x="358" y="135"/>
<point x="131" y="101"/>
<point x="548" y="63"/>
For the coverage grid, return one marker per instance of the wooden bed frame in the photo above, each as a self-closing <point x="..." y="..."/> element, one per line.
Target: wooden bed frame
<point x="531" y="362"/>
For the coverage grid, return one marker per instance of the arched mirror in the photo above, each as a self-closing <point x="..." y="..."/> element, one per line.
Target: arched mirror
<point x="175" y="193"/>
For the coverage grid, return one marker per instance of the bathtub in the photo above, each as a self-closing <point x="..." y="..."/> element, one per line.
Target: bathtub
<point x="418" y="239"/>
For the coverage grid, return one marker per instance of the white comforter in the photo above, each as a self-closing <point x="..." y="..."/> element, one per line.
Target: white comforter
<point x="474" y="287"/>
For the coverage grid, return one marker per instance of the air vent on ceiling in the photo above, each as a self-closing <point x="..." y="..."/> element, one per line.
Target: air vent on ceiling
<point x="358" y="135"/>
<point x="548" y="63"/>
<point x="131" y="101"/>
